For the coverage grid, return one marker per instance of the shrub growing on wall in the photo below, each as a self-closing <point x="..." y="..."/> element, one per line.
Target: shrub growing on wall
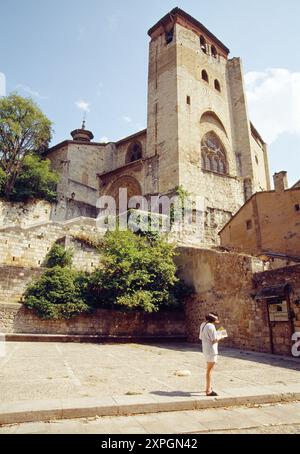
<point x="2" y="181"/>
<point x="59" y="256"/>
<point x="61" y="292"/>
<point x="57" y="294"/>
<point x="137" y="272"/>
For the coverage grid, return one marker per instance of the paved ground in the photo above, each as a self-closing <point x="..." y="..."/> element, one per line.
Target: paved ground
<point x="266" y="419"/>
<point x="37" y="371"/>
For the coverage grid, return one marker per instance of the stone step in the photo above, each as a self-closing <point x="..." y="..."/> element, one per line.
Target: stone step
<point x="58" y="409"/>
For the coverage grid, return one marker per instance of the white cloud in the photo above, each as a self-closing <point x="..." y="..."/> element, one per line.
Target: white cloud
<point x="104" y="140"/>
<point x="2" y="84"/>
<point x="83" y="105"/>
<point x="127" y="119"/>
<point x="30" y="91"/>
<point x="274" y="102"/>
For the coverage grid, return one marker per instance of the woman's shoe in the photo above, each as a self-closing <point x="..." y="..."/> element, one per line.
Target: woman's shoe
<point x="212" y="394"/>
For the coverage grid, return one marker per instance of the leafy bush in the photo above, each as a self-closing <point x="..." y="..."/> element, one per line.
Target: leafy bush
<point x="178" y="294"/>
<point x="35" y="181"/>
<point x="141" y="299"/>
<point x="57" y="294"/>
<point x="137" y="272"/>
<point x="2" y="181"/>
<point x="61" y="292"/>
<point x="59" y="256"/>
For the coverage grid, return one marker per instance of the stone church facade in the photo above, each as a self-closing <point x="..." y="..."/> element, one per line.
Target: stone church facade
<point x="199" y="135"/>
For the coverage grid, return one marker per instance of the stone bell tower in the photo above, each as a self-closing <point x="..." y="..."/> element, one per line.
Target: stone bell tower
<point x="198" y="122"/>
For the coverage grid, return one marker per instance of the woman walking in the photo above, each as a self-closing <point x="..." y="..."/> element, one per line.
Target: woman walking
<point x="210" y="340"/>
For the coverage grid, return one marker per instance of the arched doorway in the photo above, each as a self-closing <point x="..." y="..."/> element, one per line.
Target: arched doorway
<point x="130" y="184"/>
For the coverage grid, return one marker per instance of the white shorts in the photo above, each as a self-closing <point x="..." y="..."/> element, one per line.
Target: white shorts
<point x="211" y="359"/>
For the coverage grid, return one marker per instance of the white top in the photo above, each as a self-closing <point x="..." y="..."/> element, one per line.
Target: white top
<point x="208" y="335"/>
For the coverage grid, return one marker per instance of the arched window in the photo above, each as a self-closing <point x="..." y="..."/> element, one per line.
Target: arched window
<point x="217" y="85"/>
<point x="213" y="154"/>
<point x="209" y="163"/>
<point x="205" y="76"/>
<point x="222" y="167"/>
<point x="214" y="52"/>
<point x="169" y="36"/>
<point x="134" y="152"/>
<point x="203" y="44"/>
<point x="215" y="162"/>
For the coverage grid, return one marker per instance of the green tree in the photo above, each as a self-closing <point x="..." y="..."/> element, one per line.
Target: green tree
<point x="35" y="181"/>
<point x="24" y="130"/>
<point x="137" y="272"/>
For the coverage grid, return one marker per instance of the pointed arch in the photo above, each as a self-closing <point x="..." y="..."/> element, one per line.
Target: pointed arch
<point x="213" y="154"/>
<point x="131" y="184"/>
<point x="217" y="85"/>
<point x="214" y="52"/>
<point x="205" y="76"/>
<point x="203" y="44"/>
<point x="211" y="117"/>
<point x="134" y="152"/>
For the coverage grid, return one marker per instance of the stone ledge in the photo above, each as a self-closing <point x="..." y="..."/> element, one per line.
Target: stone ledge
<point x="27" y="411"/>
<point x="92" y="339"/>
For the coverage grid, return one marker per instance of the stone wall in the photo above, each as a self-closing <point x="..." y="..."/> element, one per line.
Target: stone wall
<point x="28" y="247"/>
<point x="24" y="214"/>
<point x="282" y="331"/>
<point x="162" y="118"/>
<point x="13" y="282"/>
<point x="269" y="222"/>
<point x="227" y="283"/>
<point x="223" y="283"/>
<point x="15" y="319"/>
<point x="121" y="149"/>
<point x="77" y="164"/>
<point x="183" y="108"/>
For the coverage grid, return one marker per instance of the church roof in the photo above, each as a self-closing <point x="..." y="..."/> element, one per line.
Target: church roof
<point x="132" y="137"/>
<point x="83" y="142"/>
<point x="256" y="133"/>
<point x="73" y="142"/>
<point x="180" y="13"/>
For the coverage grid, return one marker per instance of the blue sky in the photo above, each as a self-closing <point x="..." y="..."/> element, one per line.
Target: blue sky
<point x="71" y="53"/>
